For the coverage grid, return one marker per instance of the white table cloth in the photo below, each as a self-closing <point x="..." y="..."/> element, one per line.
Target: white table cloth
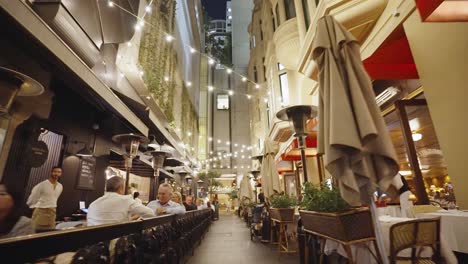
<point x="454" y="228"/>
<point x="362" y="255"/>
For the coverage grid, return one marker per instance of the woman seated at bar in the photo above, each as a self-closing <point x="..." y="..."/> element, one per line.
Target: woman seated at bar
<point x="115" y="207"/>
<point x="177" y="197"/>
<point x="11" y="222"/>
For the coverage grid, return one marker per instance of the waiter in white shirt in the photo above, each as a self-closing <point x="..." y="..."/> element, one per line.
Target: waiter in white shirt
<point x="164" y="205"/>
<point x="43" y="200"/>
<point x="114" y="206"/>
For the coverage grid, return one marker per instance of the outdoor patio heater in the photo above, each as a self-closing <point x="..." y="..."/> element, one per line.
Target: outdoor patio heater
<point x="159" y="153"/>
<point x="13" y="84"/>
<point x="186" y="179"/>
<point x="298" y="115"/>
<point x="130" y="144"/>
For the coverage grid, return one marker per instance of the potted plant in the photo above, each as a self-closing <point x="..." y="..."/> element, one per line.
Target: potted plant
<point x="282" y="207"/>
<point x="326" y="214"/>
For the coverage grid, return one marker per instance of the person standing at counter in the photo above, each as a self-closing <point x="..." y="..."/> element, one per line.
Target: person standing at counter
<point x="43" y="200"/>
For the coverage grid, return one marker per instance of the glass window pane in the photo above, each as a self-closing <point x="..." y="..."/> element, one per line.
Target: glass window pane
<point x="305" y="6"/>
<point x="290" y="9"/>
<point x="284" y="88"/>
<point x="222" y="101"/>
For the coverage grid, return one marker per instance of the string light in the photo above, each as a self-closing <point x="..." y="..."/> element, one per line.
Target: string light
<point x="210" y="88"/>
<point x="189" y="84"/>
<point x="210" y="139"/>
<point x="231" y="92"/>
<point x="141" y="73"/>
<point x="166" y="78"/>
<point x="219" y="141"/>
<point x="189" y="134"/>
<point x="148" y="97"/>
<point x="265" y="100"/>
<point x="129" y="44"/>
<point x="249" y="96"/>
<point x="169" y="38"/>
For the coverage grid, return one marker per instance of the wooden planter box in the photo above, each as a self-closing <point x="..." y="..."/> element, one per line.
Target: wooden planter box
<point x="352" y="225"/>
<point x="282" y="214"/>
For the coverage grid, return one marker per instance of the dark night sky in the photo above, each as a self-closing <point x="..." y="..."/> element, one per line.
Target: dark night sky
<point x="216" y="8"/>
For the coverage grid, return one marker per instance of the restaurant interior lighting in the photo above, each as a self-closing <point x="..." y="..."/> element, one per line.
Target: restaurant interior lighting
<point x="416" y="136"/>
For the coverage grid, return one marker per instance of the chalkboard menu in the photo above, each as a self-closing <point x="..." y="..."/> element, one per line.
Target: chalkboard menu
<point x="86" y="173"/>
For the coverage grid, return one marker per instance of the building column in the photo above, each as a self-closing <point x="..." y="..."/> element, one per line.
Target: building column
<point x="439" y="51"/>
<point x="301" y="24"/>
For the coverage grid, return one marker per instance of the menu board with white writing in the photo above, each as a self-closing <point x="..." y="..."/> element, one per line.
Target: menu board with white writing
<point x="86" y="173"/>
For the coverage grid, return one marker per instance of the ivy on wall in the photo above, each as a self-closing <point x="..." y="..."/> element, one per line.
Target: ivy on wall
<point x="159" y="61"/>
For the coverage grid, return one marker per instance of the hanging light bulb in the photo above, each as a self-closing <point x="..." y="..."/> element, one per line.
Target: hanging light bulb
<point x="110" y="4"/>
<point x="219" y="141"/>
<point x="235" y="145"/>
<point x="231" y="92"/>
<point x="228" y="143"/>
<point x="137" y="27"/>
<point x="257" y="86"/>
<point x="210" y="88"/>
<point x="142" y="23"/>
<point x="141" y="73"/>
<point x="211" y="61"/>
<point x="189" y="134"/>
<point x="249" y="96"/>
<point x="129" y="44"/>
<point x="265" y="100"/>
<point x="210" y="139"/>
<point x="229" y="71"/>
<point x="189" y="84"/>
<point x="169" y="38"/>
<point x="166" y="78"/>
<point x="192" y="50"/>
<point x="148" y="9"/>
<point x="244" y="79"/>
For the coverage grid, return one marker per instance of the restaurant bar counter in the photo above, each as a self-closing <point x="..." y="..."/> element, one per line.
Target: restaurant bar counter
<point x="163" y="239"/>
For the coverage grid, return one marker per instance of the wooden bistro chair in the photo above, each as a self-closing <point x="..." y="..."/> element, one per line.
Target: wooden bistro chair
<point x="416" y="235"/>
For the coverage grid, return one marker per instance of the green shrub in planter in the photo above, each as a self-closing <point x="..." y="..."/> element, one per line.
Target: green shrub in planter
<point x="282" y="201"/>
<point x="323" y="199"/>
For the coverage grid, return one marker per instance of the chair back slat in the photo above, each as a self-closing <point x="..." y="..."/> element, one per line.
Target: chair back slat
<point x="416" y="235"/>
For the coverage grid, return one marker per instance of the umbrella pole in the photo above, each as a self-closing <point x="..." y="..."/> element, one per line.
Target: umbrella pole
<point x="378" y="232"/>
<point x="303" y="157"/>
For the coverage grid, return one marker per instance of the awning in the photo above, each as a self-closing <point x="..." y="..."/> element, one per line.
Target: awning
<point x="39" y="30"/>
<point x="384" y="65"/>
<point x="284" y="166"/>
<point x="443" y="10"/>
<point x="139" y="167"/>
<point x="293" y="153"/>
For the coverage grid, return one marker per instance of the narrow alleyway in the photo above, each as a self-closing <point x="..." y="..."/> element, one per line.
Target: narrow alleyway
<point x="228" y="242"/>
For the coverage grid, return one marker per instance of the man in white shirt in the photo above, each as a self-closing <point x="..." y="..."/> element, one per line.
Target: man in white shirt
<point x="115" y="207"/>
<point x="43" y="200"/>
<point x="164" y="205"/>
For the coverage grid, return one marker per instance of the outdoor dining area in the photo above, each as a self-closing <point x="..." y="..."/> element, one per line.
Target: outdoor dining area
<point x="362" y="210"/>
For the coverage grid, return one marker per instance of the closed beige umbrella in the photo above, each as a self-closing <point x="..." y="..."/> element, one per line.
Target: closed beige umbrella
<point x="352" y="133"/>
<point x="270" y="176"/>
<point x="245" y="189"/>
